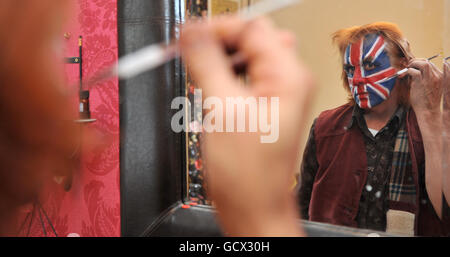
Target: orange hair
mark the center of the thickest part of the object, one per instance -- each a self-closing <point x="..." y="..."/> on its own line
<point x="398" y="50"/>
<point x="37" y="132"/>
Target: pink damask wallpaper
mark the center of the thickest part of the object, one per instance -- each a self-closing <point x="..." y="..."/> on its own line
<point x="92" y="206"/>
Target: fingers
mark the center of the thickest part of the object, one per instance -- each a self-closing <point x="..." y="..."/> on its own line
<point x="205" y="48"/>
<point x="228" y="29"/>
<point x="287" y="38"/>
<point x="446" y="121"/>
<point x="446" y="85"/>
<point x="421" y="65"/>
<point x="414" y="73"/>
<point x="208" y="64"/>
<point x="257" y="43"/>
<point x="422" y="69"/>
<point x="272" y="59"/>
<point x="446" y="71"/>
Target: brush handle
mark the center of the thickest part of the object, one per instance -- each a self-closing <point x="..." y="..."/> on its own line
<point x="154" y="55"/>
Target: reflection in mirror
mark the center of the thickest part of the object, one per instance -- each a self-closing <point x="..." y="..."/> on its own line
<point x="195" y="169"/>
<point x="363" y="163"/>
<point x="195" y="182"/>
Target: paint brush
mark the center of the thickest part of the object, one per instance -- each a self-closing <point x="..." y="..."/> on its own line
<point x="400" y="72"/>
<point x="154" y="55"/>
<point x="434" y="56"/>
<point x="446" y="58"/>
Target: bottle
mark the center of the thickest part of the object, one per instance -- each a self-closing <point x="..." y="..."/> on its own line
<point x="85" y="113"/>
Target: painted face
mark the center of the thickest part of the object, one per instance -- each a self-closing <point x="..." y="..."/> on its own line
<point x="369" y="71"/>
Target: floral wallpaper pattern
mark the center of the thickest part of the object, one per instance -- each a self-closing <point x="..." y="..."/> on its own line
<point x="92" y="206"/>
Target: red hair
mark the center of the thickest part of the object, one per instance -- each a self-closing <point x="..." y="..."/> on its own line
<point x="398" y="50"/>
<point x="37" y="132"/>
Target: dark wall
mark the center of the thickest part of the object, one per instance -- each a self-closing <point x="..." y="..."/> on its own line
<point x="151" y="155"/>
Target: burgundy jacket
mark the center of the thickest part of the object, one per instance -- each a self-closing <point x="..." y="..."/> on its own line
<point x="342" y="173"/>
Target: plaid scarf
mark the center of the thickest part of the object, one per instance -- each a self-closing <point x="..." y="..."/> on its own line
<point x="401" y="184"/>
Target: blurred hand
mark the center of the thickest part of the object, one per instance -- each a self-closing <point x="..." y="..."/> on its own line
<point x="249" y="181"/>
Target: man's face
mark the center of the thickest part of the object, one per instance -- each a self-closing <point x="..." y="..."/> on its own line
<point x="369" y="71"/>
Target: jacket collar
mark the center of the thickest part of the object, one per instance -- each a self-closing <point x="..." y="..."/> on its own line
<point x="358" y="115"/>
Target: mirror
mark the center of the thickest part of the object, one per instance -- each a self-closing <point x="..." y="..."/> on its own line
<point x="196" y="191"/>
<point x="426" y="25"/>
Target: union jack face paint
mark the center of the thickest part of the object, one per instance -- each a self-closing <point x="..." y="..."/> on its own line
<point x="369" y="71"/>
